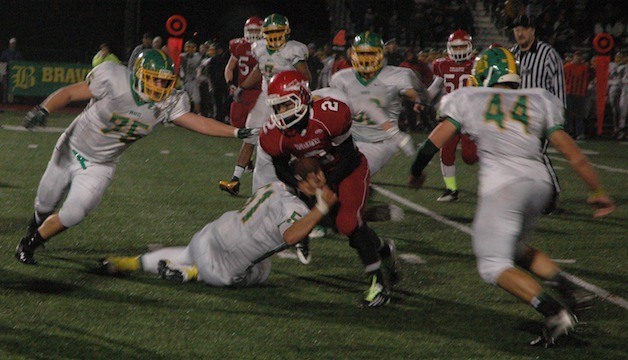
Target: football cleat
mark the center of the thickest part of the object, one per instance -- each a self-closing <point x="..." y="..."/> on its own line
<point x="555" y="326"/>
<point x="232" y="187"/>
<point x="26" y="249"/>
<point x="377" y="295"/>
<point x="416" y="182"/>
<point x="391" y="264"/>
<point x="116" y="265"/>
<point x="448" y="196"/>
<point x="178" y="273"/>
<point x="303" y="251"/>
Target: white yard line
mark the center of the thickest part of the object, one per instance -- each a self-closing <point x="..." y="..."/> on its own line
<point x="603" y="167"/>
<point x="603" y="294"/>
<point x="47" y="129"/>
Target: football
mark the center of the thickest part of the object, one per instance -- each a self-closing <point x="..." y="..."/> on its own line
<point x="306" y="165"/>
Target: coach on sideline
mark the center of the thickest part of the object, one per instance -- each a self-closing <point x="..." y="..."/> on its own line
<point x="540" y="66"/>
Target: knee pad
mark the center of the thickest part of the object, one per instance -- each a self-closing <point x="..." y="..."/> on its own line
<point x="490" y="269"/>
<point x="71" y="215"/>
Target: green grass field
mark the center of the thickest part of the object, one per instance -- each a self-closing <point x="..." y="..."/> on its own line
<point x="166" y="189"/>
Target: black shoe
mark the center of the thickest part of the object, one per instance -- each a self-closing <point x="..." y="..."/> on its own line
<point x="555" y="326"/>
<point x="303" y="251"/>
<point x="579" y="300"/>
<point x="390" y="264"/>
<point x="449" y="195"/>
<point x="26" y="249"/>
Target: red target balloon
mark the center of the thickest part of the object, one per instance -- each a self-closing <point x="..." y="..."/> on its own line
<point x="603" y="43"/>
<point x="176" y="25"/>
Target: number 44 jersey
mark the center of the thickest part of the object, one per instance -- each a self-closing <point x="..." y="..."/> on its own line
<point x="508" y="126"/>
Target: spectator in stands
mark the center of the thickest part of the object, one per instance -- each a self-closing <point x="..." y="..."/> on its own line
<point x="463" y="19"/>
<point x="341" y="61"/>
<point x="614" y="87"/>
<point x="104" y="54"/>
<point x="158" y="43"/>
<point x="577" y="75"/>
<point x="11" y="53"/>
<point x="147" y="43"/>
<point x="328" y="63"/>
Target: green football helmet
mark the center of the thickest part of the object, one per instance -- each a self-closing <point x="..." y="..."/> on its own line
<point x="153" y="77"/>
<point x="367" y="53"/>
<point x="276" y="31"/>
<point x="495" y="66"/>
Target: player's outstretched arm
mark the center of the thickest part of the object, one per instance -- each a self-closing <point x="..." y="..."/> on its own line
<point x="211" y="127"/>
<point x="325" y="199"/>
<point x="598" y="198"/>
<point x="57" y="101"/>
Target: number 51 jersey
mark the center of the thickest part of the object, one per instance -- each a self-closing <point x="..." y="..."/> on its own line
<point x="508" y="126"/>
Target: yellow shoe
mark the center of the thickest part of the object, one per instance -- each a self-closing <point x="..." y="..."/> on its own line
<point x="120" y="264"/>
<point x="232" y="187"/>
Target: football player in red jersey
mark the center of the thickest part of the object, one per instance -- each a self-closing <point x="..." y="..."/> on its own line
<point x="243" y="60"/>
<point x="322" y="129"/>
<point x="451" y="73"/>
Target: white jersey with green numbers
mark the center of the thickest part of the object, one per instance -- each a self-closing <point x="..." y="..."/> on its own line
<point x="508" y="127"/>
<point x="115" y="117"/>
<point x="239" y="238"/>
<point x="271" y="63"/>
<point x="375" y="101"/>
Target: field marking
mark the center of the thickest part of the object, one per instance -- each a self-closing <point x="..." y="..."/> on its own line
<point x="605" y="295"/>
<point x="603" y="167"/>
<point x="47" y="129"/>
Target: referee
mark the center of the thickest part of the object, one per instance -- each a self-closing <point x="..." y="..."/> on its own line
<point x="540" y="65"/>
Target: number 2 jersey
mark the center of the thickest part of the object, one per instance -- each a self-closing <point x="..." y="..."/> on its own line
<point x="329" y="125"/>
<point x="509" y="127"/>
<point x="116" y="117"/>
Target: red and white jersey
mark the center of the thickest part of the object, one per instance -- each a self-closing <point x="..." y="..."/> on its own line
<point x="329" y="125"/>
<point x="240" y="49"/>
<point x="454" y="74"/>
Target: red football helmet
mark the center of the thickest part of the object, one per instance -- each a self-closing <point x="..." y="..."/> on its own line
<point x="253" y="29"/>
<point x="289" y="97"/>
<point x="459" y="46"/>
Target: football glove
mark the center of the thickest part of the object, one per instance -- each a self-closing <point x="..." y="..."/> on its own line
<point x="35" y="117"/>
<point x="403" y="140"/>
<point x="244" y="133"/>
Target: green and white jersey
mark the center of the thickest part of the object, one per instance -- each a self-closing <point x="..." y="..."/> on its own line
<point x="509" y="127"/>
<point x="271" y="63"/>
<point x="116" y="117"/>
<point x="375" y="101"/>
<point x="241" y="237"/>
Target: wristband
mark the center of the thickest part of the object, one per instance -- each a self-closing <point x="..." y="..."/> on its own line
<point x="320" y="203"/>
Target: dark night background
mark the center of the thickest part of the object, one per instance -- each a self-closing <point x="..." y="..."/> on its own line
<point x="72" y="30"/>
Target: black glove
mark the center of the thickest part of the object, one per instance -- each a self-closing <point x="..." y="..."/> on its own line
<point x="36" y="116"/>
<point x="245" y="133"/>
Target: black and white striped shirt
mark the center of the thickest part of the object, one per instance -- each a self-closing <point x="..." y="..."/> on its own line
<point x="541" y="66"/>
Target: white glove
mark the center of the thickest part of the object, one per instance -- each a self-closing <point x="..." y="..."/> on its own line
<point x="403" y="140"/>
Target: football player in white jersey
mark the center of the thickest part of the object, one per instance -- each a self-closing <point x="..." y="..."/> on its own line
<point x="509" y="125"/>
<point x="124" y="107"/>
<point x="235" y="249"/>
<point x="374" y="94"/>
<point x="274" y="53"/>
